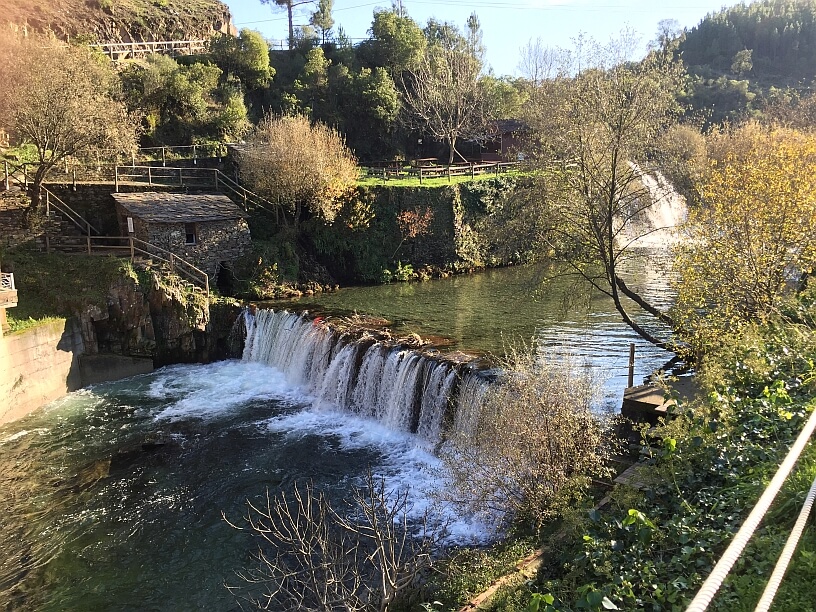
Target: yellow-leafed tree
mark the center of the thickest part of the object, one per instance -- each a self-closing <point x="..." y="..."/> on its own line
<point x="753" y="239"/>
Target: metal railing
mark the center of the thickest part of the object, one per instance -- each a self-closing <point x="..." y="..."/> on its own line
<point x="7" y="281"/>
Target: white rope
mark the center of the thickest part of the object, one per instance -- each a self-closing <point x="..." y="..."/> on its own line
<point x="787" y="553"/>
<point x="732" y="553"/>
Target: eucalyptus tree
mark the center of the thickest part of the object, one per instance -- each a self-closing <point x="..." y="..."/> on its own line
<point x="593" y="128"/>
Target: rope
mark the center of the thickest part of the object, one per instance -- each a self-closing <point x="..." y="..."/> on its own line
<point x="732" y="553"/>
<point x="787" y="552"/>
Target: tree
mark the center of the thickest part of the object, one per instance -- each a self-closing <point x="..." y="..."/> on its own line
<point x="299" y="166"/>
<point x="753" y="239"/>
<point x="592" y="136"/>
<point x="396" y="43"/>
<point x="444" y="94"/>
<point x="313" y="558"/>
<point x="742" y="62"/>
<point x="245" y="57"/>
<point x="289" y="6"/>
<point x="63" y="99"/>
<point x="535" y="446"/>
<point x="322" y="19"/>
<point x="183" y="103"/>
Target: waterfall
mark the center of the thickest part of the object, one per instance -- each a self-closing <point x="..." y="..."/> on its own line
<point x="655" y="223"/>
<point x="402" y="388"/>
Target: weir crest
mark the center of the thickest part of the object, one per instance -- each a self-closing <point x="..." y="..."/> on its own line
<point x="402" y="388"/>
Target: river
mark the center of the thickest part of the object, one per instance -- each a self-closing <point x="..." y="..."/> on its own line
<point x="112" y="497"/>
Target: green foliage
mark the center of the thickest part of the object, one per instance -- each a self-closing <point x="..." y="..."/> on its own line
<point x="183" y="103"/>
<point x="396" y="43"/>
<point x="711" y="465"/>
<point x="244" y="57"/>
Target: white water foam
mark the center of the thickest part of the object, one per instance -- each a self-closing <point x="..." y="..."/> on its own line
<point x="209" y="391"/>
<point x="655" y="226"/>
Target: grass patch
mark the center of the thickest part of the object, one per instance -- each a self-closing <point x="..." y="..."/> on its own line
<point x="20" y="325"/>
<point x="55" y="285"/>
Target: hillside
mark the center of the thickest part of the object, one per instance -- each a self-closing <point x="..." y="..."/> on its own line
<point x="121" y="20"/>
<point x="741" y="58"/>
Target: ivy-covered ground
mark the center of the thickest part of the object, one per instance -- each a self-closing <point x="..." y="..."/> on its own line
<point x="652" y="548"/>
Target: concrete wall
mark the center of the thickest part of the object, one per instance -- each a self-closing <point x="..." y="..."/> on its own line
<point x="44" y="363"/>
<point x="38" y="366"/>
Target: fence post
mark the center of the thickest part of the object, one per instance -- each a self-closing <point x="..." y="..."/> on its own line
<point x="150" y="175"/>
<point x="195" y="158"/>
<point x="164" y="158"/>
<point x="133" y="158"/>
<point x="132" y="250"/>
<point x="207" y="285"/>
<point x="472" y="174"/>
<point x="215" y="176"/>
<point x="73" y="178"/>
<point x="47" y="204"/>
<point x="116" y="178"/>
<point x="5" y="175"/>
<point x="631" y="380"/>
<point x="420" y="175"/>
<point x="449" y="173"/>
<point x="88" y="238"/>
<point x="181" y="181"/>
<point x="25" y="177"/>
<point x="172" y="263"/>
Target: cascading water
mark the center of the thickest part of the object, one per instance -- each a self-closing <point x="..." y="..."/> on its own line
<point x="655" y="223"/>
<point x="402" y="389"/>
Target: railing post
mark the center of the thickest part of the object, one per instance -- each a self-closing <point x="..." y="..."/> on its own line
<point x="88" y="238"/>
<point x="73" y="179"/>
<point x="150" y="175"/>
<point x="631" y="380"/>
<point x="181" y="181"/>
<point x="195" y="158"/>
<point x="47" y="204"/>
<point x="215" y="176"/>
<point x="449" y="175"/>
<point x="172" y="263"/>
<point x="133" y="158"/>
<point x="472" y="174"/>
<point x="5" y="175"/>
<point x="25" y="177"/>
<point x="116" y="178"/>
<point x="132" y="250"/>
<point x="207" y="285"/>
<point x="420" y="175"/>
<point x="164" y="158"/>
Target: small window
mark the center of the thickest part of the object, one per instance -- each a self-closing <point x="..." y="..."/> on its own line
<point x="190" y="233"/>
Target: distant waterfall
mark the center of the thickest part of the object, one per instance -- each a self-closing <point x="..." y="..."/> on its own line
<point x="402" y="388"/>
<point x="655" y="224"/>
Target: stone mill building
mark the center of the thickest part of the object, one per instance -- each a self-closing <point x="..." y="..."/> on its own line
<point x="208" y="230"/>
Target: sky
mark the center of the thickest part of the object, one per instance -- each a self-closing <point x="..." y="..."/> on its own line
<point x="507" y="25"/>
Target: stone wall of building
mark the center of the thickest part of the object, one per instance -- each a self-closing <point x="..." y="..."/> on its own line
<point x="216" y="241"/>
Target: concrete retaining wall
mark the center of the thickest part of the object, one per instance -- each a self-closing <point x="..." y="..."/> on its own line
<point x="38" y="366"/>
<point x="44" y="363"/>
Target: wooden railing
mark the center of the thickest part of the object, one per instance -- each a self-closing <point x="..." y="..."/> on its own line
<point x="191" y="177"/>
<point x="424" y="172"/>
<point x="129" y="246"/>
<point x="7" y="281"/>
<point x="119" y="51"/>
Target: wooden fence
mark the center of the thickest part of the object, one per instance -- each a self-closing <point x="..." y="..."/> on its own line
<point x="425" y="172"/>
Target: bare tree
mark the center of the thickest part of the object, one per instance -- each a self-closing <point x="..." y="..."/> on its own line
<point x="313" y="557"/>
<point x="536" y="444"/>
<point x="593" y="135"/>
<point x="444" y="94"/>
<point x="63" y="99"/>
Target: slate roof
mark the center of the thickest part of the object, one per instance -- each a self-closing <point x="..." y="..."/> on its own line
<point x="159" y="207"/>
